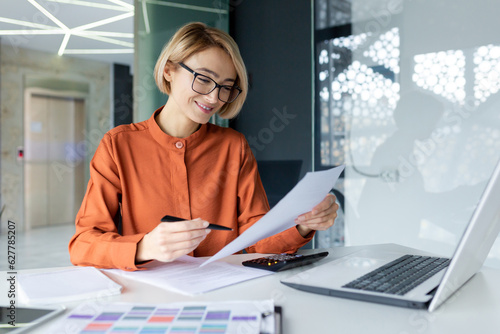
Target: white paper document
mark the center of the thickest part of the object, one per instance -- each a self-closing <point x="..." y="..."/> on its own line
<point x="308" y="193"/>
<point x="185" y="276"/>
<point x="66" y="285"/>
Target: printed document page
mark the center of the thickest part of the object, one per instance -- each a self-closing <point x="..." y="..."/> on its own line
<point x="250" y="317"/>
<point x="185" y="276"/>
<point x="308" y="193"/>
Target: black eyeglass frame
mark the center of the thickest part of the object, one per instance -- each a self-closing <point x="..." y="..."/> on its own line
<point x="196" y="74"/>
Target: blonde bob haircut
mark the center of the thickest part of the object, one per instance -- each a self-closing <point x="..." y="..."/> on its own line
<point x="196" y="37"/>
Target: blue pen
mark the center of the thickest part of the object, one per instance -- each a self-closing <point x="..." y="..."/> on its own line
<point x="170" y="219"/>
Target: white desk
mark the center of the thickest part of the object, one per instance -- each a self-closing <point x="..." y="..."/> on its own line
<point x="475" y="308"/>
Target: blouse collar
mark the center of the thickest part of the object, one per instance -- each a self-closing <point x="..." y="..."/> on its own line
<point x="175" y="143"/>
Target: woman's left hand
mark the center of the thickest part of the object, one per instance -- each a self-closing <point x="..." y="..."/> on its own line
<point x="320" y="218"/>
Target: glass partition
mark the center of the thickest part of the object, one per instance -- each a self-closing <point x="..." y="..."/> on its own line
<point x="407" y="97"/>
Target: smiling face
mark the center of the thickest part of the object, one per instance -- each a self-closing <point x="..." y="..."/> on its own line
<point x="214" y="63"/>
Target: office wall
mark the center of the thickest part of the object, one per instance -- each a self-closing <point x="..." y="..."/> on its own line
<point x="275" y="42"/>
<point x="22" y="68"/>
<point x="122" y="95"/>
<point x="416" y="179"/>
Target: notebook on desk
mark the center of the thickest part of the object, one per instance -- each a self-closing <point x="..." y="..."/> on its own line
<point x="382" y="277"/>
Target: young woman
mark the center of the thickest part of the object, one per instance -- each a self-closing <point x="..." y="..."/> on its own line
<point x="177" y="163"/>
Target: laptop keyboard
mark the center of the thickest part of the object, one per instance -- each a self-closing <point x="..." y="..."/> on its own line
<point x="401" y="275"/>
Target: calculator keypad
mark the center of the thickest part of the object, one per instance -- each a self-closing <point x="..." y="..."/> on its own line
<point x="280" y="262"/>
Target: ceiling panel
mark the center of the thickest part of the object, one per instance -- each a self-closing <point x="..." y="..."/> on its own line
<point x="103" y="28"/>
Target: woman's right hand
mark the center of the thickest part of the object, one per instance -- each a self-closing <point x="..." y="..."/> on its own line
<point x="169" y="241"/>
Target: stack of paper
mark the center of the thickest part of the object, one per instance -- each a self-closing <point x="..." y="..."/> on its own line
<point x="66" y="285"/>
<point x="185" y="276"/>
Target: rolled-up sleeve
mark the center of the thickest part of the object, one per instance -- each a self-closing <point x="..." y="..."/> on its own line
<point x="97" y="241"/>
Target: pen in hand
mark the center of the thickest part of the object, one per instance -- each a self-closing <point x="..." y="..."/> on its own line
<point x="170" y="219"/>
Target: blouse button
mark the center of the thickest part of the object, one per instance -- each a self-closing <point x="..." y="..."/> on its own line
<point x="179" y="144"/>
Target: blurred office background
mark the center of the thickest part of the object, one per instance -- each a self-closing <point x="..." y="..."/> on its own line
<point x="403" y="93"/>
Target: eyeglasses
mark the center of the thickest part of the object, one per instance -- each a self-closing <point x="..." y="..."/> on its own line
<point x="205" y="85"/>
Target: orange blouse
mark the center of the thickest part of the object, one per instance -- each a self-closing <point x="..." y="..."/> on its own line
<point x="144" y="174"/>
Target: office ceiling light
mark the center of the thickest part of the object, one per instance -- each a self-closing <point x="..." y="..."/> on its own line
<point x="124" y="39"/>
<point x="121" y="6"/>
<point x="48" y="14"/>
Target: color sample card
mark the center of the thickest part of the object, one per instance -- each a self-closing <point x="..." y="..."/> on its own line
<point x="179" y="318"/>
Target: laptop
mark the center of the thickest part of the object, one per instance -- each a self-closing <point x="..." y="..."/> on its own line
<point x="366" y="275"/>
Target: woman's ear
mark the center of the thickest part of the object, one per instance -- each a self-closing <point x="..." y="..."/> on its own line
<point x="167" y="71"/>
